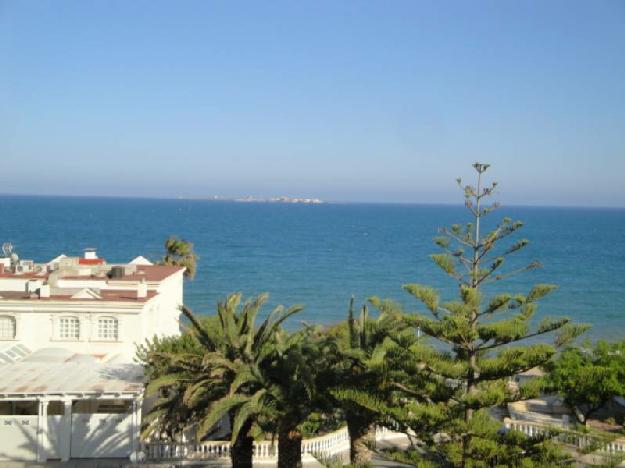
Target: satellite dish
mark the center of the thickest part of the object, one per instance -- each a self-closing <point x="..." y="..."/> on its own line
<point x="7" y="249"/>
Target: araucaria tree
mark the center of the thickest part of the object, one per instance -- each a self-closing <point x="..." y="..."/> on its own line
<point x="483" y="335"/>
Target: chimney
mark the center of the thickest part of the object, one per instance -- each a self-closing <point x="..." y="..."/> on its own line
<point x="44" y="291"/>
<point x="90" y="254"/>
<point x="32" y="286"/>
<point x="142" y="289"/>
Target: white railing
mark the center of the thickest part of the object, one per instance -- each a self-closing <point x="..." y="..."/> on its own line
<point x="578" y="439"/>
<point x="327" y="446"/>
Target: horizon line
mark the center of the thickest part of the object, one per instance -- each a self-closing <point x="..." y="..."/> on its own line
<point x="324" y="202"/>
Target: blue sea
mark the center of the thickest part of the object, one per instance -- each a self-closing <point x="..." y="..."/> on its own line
<point x="320" y="255"/>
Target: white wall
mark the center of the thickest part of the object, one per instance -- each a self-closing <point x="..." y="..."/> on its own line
<point x="18" y="438"/>
<point x="55" y="434"/>
<point x="101" y="435"/>
<point x="37" y="322"/>
<point x="13" y="284"/>
<point x="86" y="283"/>
<point x="39" y="329"/>
<point x="165" y="319"/>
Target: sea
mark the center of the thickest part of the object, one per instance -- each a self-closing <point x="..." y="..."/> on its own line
<point x="321" y="255"/>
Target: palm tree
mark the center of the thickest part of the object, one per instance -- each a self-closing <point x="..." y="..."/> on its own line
<point x="229" y="377"/>
<point x="179" y="252"/>
<point x="368" y="378"/>
<point x="297" y="376"/>
<point x="239" y="361"/>
<point x="274" y="378"/>
<point x="163" y="359"/>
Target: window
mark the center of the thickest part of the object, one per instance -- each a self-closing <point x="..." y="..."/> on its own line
<point x="108" y="328"/>
<point x="69" y="328"/>
<point x="7" y="327"/>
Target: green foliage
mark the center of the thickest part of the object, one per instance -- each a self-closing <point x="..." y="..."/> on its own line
<point x="320" y="422"/>
<point x="428" y="296"/>
<point x="484" y="338"/>
<point x="373" y="366"/>
<point x="261" y="377"/>
<point x="411" y="457"/>
<point x="489" y="446"/>
<point x="167" y="376"/>
<point x="378" y="370"/>
<point x="179" y="252"/>
<point x="589" y="377"/>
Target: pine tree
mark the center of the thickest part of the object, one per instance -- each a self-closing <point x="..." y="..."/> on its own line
<point x="482" y="337"/>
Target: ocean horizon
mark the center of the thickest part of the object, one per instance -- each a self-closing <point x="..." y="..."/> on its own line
<point x="321" y="255"/>
<point x="261" y="201"/>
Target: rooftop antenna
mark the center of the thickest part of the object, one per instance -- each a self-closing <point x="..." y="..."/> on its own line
<point x="7" y="249"/>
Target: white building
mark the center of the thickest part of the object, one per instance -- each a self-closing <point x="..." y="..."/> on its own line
<point x="68" y="335"/>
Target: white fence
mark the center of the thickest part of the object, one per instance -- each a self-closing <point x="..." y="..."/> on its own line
<point x="326" y="446"/>
<point x="578" y="439"/>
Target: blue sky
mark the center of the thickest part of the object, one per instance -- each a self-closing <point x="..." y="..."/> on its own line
<point x="358" y="100"/>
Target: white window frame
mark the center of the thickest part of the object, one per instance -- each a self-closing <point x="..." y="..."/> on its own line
<point x="74" y="327"/>
<point x="13" y="320"/>
<point x="99" y="329"/>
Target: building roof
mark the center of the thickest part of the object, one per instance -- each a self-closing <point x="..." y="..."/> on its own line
<point x="40" y="275"/>
<point x="140" y="260"/>
<point x="71" y="294"/>
<point x="152" y="273"/>
<point x="56" y="371"/>
<point x="85" y="279"/>
<point x="91" y="261"/>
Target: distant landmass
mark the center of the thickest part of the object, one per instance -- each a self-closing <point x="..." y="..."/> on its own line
<point x="308" y="201"/>
<point x="250" y="199"/>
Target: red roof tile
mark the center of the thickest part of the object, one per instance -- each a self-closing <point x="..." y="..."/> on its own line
<point x="91" y="261"/>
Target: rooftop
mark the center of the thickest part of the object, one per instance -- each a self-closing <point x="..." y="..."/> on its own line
<point x="90" y="278"/>
<point x="74" y="294"/>
<point x="152" y="273"/>
<point x="54" y="371"/>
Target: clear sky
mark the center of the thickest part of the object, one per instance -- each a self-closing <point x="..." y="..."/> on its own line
<point x="344" y="100"/>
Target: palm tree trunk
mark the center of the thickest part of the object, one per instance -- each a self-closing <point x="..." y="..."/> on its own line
<point x="289" y="448"/>
<point x="359" y="428"/>
<point x="243" y="448"/>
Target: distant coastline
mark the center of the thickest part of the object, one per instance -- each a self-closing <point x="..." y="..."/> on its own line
<point x="250" y="199"/>
<point x="324" y="202"/>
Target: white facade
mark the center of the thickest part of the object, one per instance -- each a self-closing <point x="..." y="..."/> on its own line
<point x="85" y="309"/>
<point x="68" y="335"/>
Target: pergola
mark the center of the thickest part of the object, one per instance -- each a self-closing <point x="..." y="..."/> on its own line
<point x="85" y="408"/>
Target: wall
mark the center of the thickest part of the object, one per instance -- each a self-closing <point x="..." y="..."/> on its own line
<point x="13" y="284"/>
<point x="38" y="328"/>
<point x="18" y="438"/>
<point x="163" y="316"/>
<point x="37" y="322"/>
<point x="101" y="435"/>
